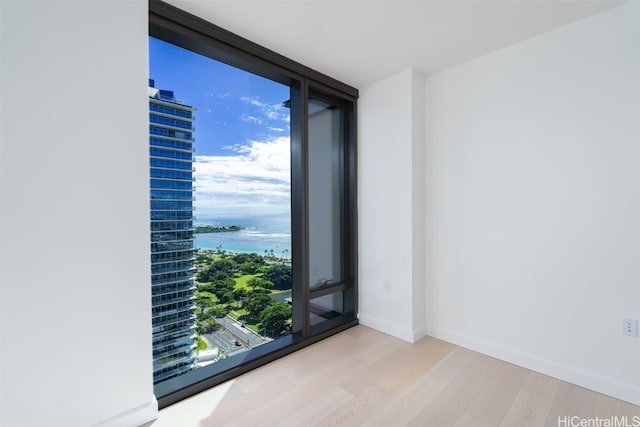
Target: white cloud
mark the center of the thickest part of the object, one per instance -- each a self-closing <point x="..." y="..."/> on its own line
<point x="251" y="119"/>
<point x="268" y="112"/>
<point x="256" y="178"/>
<point x="253" y="101"/>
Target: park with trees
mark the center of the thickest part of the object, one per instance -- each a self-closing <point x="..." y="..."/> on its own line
<point x="250" y="288"/>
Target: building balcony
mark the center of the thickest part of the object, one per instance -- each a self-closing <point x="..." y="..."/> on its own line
<point x="177" y="258"/>
<point x="189" y="287"/>
<point x="190" y="150"/>
<point x="185" y="269"/>
<point x="185" y="335"/>
<point x="161" y="331"/>
<point x="160" y="209"/>
<point x="172" y="116"/>
<point x="181" y="180"/>
<point x="183" y="135"/>
<point x="186" y="197"/>
<point x="163" y="248"/>
<point x="170" y="122"/>
<point x="172" y="104"/>
<point x="158" y="325"/>
<point x="188" y="335"/>
<point x="174" y="373"/>
<point x="175" y="300"/>
<point x="172" y="139"/>
<point x="172" y="127"/>
<point x="172" y="229"/>
<point x="169" y="350"/>
<point x="161" y="363"/>
<point x="183" y="162"/>
<point x="169" y="281"/>
<point x="171" y="236"/>
<point x="183" y="309"/>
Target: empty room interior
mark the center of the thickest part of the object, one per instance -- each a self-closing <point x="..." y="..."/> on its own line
<point x="498" y="215"/>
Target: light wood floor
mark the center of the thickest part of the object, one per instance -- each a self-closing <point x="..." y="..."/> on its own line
<point x="362" y="377"/>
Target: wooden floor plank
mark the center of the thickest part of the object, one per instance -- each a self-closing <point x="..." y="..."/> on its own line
<point x="529" y="409"/>
<point x="542" y="385"/>
<point x="406" y="406"/>
<point x="414" y="363"/>
<point x="468" y="420"/>
<point x="362" y="377"/>
<point x="465" y="387"/>
<point x="358" y="411"/>
<point x="571" y="401"/>
<point x="495" y="399"/>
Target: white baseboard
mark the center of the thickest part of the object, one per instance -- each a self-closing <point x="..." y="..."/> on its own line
<point x="621" y="391"/>
<point x="134" y="417"/>
<point x="392" y="329"/>
<point x="419" y="333"/>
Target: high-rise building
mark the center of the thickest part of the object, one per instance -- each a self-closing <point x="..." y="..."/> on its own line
<point x="172" y="252"/>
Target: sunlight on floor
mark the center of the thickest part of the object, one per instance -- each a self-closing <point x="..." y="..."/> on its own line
<point x="192" y="411"/>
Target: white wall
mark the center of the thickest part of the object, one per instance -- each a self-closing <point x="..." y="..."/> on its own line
<point x="391" y="205"/>
<point x="75" y="273"/>
<point x="535" y="202"/>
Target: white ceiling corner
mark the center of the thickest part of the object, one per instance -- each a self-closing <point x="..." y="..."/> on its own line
<point x="360" y="42"/>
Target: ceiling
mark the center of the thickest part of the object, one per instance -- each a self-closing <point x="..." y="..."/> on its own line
<point x="360" y="42"/>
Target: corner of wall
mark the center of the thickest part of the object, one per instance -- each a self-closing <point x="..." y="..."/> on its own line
<point x="418" y="204"/>
<point x="391" y="234"/>
<point x="405" y="334"/>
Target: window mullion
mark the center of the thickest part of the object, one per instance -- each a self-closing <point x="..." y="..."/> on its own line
<point x="299" y="208"/>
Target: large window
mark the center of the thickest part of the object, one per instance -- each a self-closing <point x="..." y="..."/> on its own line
<point x="268" y="264"/>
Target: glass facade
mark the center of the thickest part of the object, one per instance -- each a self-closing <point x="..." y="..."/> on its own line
<point x="172" y="252"/>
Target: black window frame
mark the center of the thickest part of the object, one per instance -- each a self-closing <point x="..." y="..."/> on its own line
<point x="180" y="28"/>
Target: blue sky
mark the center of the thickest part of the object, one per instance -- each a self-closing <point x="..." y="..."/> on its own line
<point x="242" y="131"/>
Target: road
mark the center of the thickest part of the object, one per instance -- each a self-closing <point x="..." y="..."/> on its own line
<point x="225" y="338"/>
<point x="222" y="340"/>
<point x="243" y="334"/>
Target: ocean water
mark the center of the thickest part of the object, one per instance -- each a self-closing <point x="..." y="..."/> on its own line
<point x="261" y="233"/>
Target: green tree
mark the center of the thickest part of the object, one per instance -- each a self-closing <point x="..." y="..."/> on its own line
<point x="258" y="282"/>
<point x="224" y="265"/>
<point x="219" y="287"/>
<point x="227" y="297"/>
<point x="201" y="329"/>
<point x="252" y="258"/>
<point x="279" y="275"/>
<point x="219" y="311"/>
<point x="240" y="293"/>
<point x="219" y="269"/>
<point x="248" y="267"/>
<point x="256" y="303"/>
<point x="202" y="315"/>
<point x="257" y="291"/>
<point x="275" y="318"/>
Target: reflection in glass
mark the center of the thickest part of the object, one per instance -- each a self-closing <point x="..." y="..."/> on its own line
<point x="325" y="171"/>
<point x="325" y="308"/>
